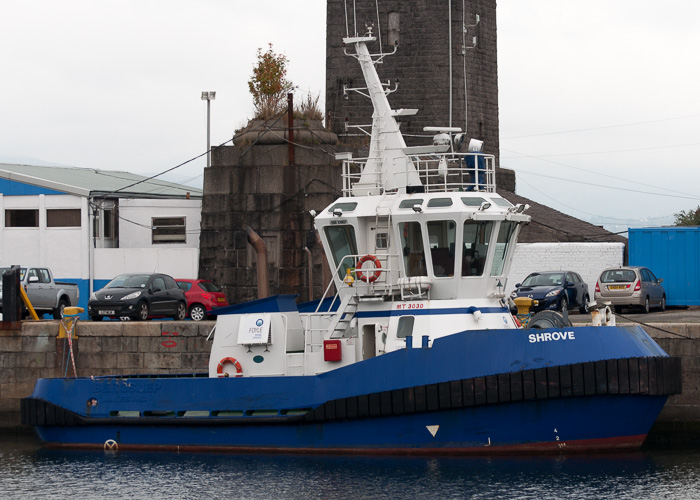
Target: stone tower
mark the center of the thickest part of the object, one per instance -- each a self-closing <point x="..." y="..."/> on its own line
<point x="256" y="185"/>
<point x="436" y="64"/>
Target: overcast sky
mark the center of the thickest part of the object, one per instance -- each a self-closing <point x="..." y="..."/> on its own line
<point x="599" y="106"/>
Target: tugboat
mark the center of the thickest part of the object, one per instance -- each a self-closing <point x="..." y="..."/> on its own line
<point x="417" y="351"/>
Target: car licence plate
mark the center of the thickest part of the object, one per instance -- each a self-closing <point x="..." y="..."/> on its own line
<point x="616" y="287"/>
<point x="105" y="313"/>
<point x="220" y="299"/>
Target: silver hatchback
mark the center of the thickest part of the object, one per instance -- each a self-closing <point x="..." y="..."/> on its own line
<point x="630" y="286"/>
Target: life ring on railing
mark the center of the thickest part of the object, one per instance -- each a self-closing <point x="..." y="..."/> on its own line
<point x="377" y="269"/>
<point x="234" y="362"/>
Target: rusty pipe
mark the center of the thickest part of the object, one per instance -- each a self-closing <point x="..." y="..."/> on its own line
<point x="290" y="127"/>
<point x="310" y="263"/>
<point x="261" y="253"/>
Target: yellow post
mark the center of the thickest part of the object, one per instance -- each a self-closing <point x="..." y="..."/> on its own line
<point x="524" y="304"/>
<point x="23" y="293"/>
<point x="68" y="322"/>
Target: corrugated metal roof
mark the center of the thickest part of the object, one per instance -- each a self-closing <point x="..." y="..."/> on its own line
<point x="91" y="181"/>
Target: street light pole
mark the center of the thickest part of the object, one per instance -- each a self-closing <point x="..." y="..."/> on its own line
<point x="208" y="96"/>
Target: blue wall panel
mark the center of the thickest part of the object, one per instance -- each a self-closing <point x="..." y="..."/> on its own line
<point x="672" y="253"/>
<point x="14" y="188"/>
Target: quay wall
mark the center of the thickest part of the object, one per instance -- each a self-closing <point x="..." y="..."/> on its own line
<point x="31" y="350"/>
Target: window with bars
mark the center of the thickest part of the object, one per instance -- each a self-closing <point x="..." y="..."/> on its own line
<point x="63" y="217"/>
<point x="16" y="217"/>
<point x="168" y="230"/>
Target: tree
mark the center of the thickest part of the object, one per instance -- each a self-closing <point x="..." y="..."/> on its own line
<point x="269" y="84"/>
<point x="687" y="218"/>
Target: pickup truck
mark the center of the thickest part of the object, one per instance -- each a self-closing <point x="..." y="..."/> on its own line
<point x="45" y="294"/>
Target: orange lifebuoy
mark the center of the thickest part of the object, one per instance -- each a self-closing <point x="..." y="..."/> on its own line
<point x="377" y="269"/>
<point x="234" y="362"/>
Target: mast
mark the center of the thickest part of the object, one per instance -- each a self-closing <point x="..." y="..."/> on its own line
<point x="388" y="168"/>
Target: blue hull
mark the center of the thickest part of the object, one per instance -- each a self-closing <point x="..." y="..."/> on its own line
<point x="597" y="388"/>
<point x="558" y="425"/>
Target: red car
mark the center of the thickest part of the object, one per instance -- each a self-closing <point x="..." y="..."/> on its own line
<point x="202" y="296"/>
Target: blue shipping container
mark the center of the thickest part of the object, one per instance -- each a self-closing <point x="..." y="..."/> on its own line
<point x="672" y="253"/>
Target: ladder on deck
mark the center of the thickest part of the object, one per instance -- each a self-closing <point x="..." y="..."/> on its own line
<point x="341" y="321"/>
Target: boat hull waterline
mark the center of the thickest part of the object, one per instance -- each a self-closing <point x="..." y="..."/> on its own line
<point x="515" y="400"/>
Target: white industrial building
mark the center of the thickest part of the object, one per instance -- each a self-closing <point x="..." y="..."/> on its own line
<point x="90" y="225"/>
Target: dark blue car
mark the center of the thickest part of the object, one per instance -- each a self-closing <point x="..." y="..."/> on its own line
<point x="554" y="290"/>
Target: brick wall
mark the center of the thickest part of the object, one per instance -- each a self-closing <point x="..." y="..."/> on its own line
<point x="421" y="64"/>
<point x="253" y="186"/>
<point x="587" y="259"/>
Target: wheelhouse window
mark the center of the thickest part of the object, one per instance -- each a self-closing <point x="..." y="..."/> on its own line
<point x="411" y="202"/>
<point x="344" y="206"/>
<point x="505" y="235"/>
<point x="21" y="218"/>
<point x="501" y="202"/>
<point x="168" y="230"/>
<point x="440" y="202"/>
<point x="473" y="201"/>
<point x="441" y="235"/>
<point x="342" y="242"/>
<point x="413" y="252"/>
<point x="476" y="246"/>
<point x="63" y="217"/>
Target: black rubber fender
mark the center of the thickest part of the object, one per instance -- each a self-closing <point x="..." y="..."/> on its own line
<point x="548" y="319"/>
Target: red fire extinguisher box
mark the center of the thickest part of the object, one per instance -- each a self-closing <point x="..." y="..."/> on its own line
<point x="332" y="350"/>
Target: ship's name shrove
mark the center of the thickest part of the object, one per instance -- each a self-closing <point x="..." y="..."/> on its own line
<point x="549" y="336"/>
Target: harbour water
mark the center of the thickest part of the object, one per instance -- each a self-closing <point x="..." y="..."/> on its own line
<point x="29" y="471"/>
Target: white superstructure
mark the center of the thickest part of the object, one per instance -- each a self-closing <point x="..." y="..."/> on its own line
<point x="420" y="246"/>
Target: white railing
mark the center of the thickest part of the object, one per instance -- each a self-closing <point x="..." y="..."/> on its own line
<point x="384" y="284"/>
<point x="439" y="172"/>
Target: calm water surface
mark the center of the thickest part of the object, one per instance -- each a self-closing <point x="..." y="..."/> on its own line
<point x="28" y="471"/>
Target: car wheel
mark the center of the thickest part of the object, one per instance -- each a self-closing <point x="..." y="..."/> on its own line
<point x="548" y="319"/>
<point x="564" y="304"/>
<point x="198" y="312"/>
<point x="584" y="306"/>
<point x="663" y="303"/>
<point x="143" y="311"/>
<point x="181" y="313"/>
<point x="58" y="312"/>
<point x="646" y="307"/>
<point x="96" y="318"/>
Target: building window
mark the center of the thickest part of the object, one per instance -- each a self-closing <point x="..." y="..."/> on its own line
<point x="63" y="217"/>
<point x="108" y="225"/>
<point x="168" y="230"/>
<point x="21" y="218"/>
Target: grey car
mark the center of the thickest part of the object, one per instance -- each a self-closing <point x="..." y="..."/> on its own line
<point x="634" y="286"/>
